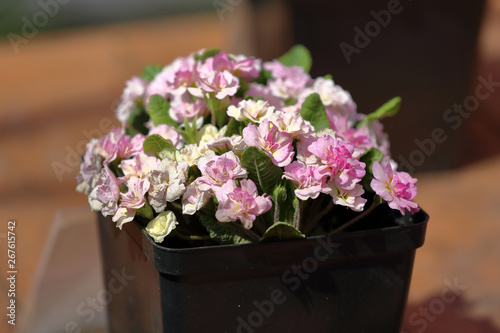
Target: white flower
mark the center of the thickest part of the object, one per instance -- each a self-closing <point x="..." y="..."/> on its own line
<point x="292" y="123"/>
<point x="192" y="153"/>
<point x="255" y="111"/>
<point x="194" y="199"/>
<point x="162" y="225"/>
<point x="167" y="183"/>
<point x="350" y="198"/>
<point x="123" y="215"/>
<point x="234" y="143"/>
<point x="209" y="132"/>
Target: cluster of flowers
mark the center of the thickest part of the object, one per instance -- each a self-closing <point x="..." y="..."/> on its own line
<point x="217" y="106"/>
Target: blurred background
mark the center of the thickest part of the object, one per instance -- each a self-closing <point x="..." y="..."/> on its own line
<point x="63" y="64"/>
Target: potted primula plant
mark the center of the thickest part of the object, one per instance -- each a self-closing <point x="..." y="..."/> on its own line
<point x="252" y="198"/>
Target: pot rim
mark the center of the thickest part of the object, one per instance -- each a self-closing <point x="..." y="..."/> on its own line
<point x="385" y="242"/>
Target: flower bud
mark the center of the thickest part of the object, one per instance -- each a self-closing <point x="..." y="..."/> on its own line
<point x="279" y="193"/>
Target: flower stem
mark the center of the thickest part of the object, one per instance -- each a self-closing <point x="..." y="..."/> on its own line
<point x="252" y="234"/>
<point x="297" y="215"/>
<point x="209" y="99"/>
<point x="276" y="211"/>
<point x="356" y="219"/>
<point x="175" y="205"/>
<point x="146" y="211"/>
<point x="318" y="217"/>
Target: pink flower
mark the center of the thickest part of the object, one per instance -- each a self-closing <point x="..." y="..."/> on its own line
<point x="223" y="84"/>
<point x="276" y="144"/>
<point x="345" y="170"/>
<point x="169" y="133"/>
<point x="135" y="146"/>
<point x="350" y="198"/>
<point x="242" y="204"/>
<point x="132" y="200"/>
<point x="240" y="66"/>
<point x="135" y="196"/>
<point x="89" y="169"/>
<point x="184" y="107"/>
<point x="161" y="84"/>
<point x="166" y="183"/>
<point x="303" y="153"/>
<point x="259" y="90"/>
<point x="287" y="82"/>
<point x="185" y="77"/>
<point x="375" y="131"/>
<point x="106" y="193"/>
<point x="397" y="188"/>
<point x="291" y="123"/>
<point x="194" y="198"/>
<point x="174" y="79"/>
<point x="357" y="137"/>
<point x="246" y="67"/>
<point x="123" y="215"/>
<point x="310" y="180"/>
<point x="138" y="167"/>
<point x="117" y="145"/>
<point x="134" y="91"/>
<point x="217" y="170"/>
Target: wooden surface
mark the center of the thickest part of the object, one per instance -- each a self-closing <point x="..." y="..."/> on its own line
<point x="64" y="83"/>
<point x="58" y="86"/>
<point x="462" y="247"/>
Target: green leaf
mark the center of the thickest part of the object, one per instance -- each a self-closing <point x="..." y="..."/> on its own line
<point x="264" y="76"/>
<point x="244" y="86"/>
<point x="138" y="117"/>
<point x="224" y="232"/>
<point x="158" y="145"/>
<point x="388" y="109"/>
<point x="208" y="53"/>
<point x="313" y="110"/>
<point x="158" y="111"/>
<point x="281" y="231"/>
<point x="150" y="71"/>
<point x="369" y="157"/>
<point x="190" y="131"/>
<point x="298" y="55"/>
<point x="261" y="170"/>
<point x="234" y="127"/>
<point x="247" y="97"/>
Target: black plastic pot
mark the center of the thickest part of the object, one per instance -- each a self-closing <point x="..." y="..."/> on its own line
<point x="351" y="282"/>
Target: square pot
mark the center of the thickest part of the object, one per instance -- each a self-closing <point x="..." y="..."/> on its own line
<point x="351" y="282"/>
